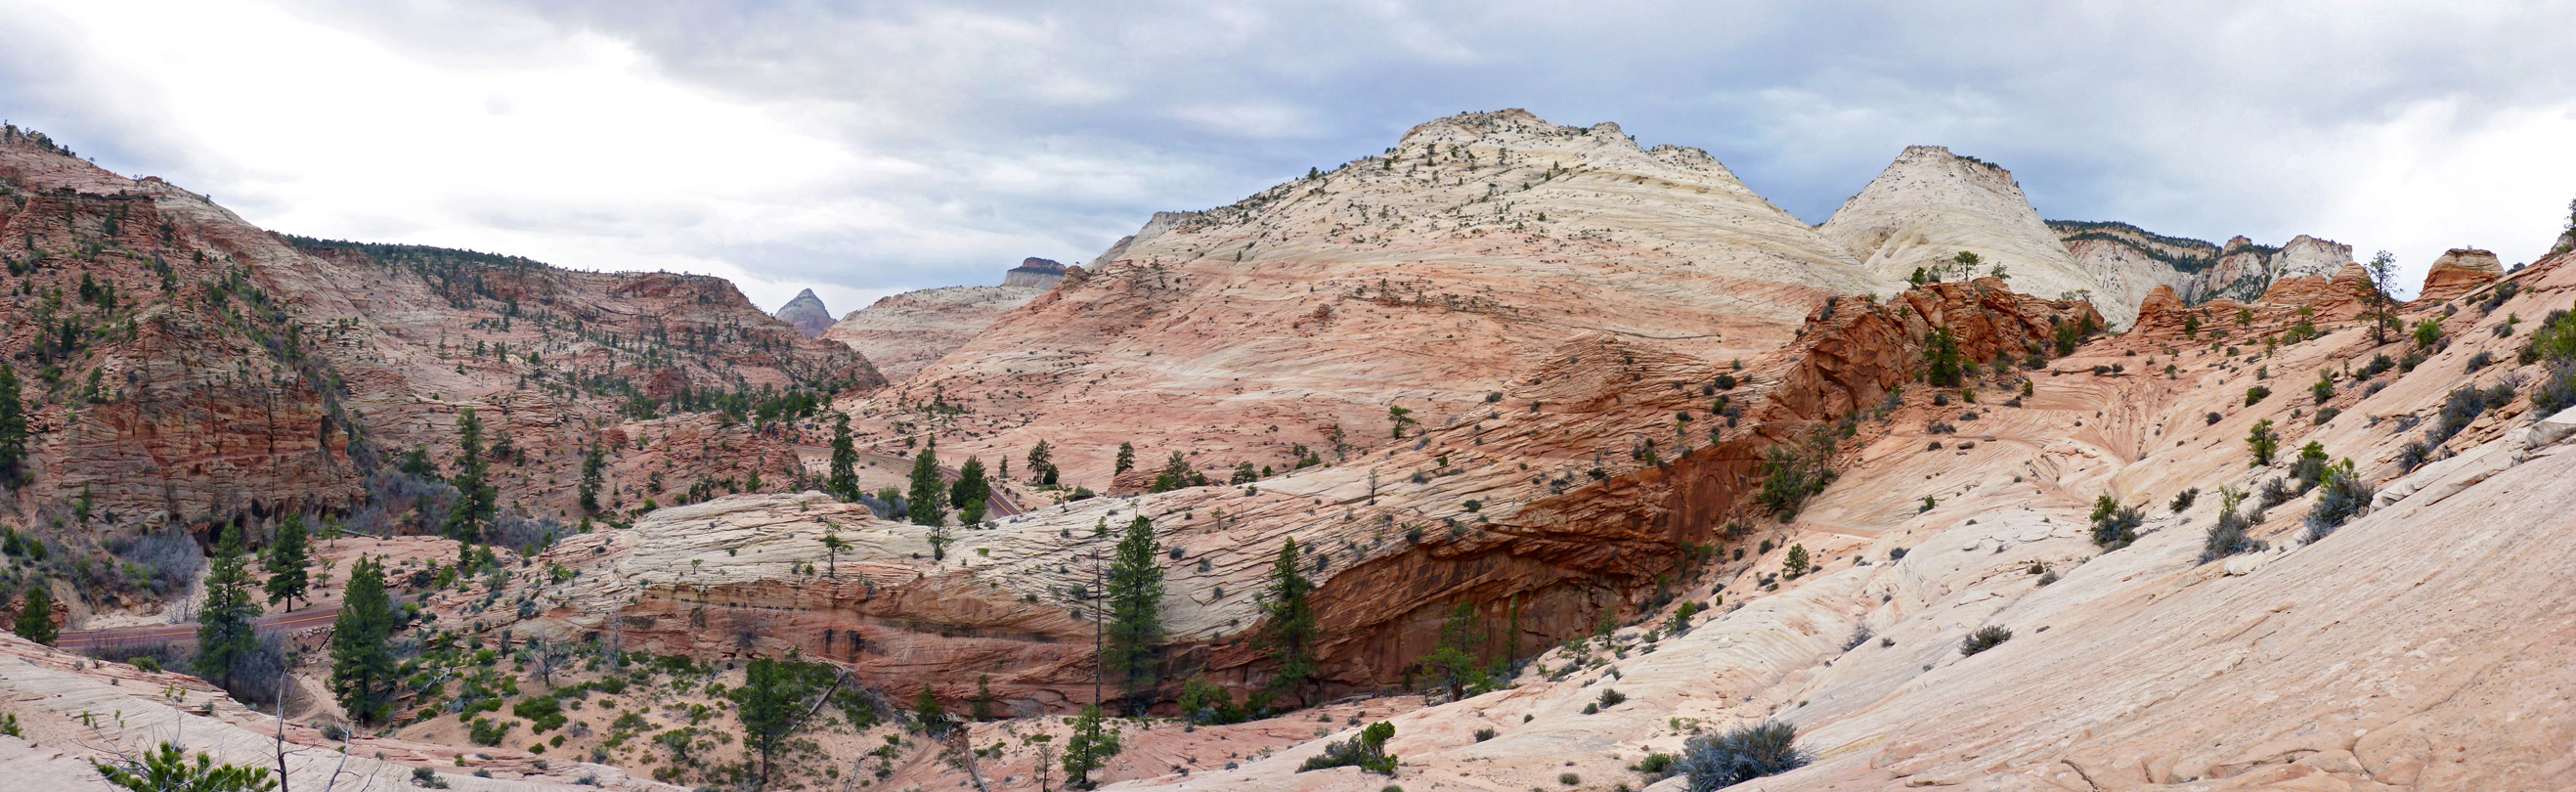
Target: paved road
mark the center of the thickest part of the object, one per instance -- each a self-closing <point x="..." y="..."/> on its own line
<point x="999" y="505"/>
<point x="187" y="633"/>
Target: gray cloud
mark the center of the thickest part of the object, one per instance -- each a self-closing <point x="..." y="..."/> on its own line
<point x="1000" y="130"/>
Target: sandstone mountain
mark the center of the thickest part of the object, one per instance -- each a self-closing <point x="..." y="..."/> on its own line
<point x="905" y="333"/>
<point x="2132" y="261"/>
<point x="1425" y="278"/>
<point x="1931" y="205"/>
<point x="185" y="367"/>
<point x="807" y="314"/>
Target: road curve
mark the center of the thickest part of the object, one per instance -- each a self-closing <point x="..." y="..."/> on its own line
<point x="187" y="633"/>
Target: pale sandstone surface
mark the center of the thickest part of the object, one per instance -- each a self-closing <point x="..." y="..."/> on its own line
<point x="806" y="313"/>
<point x="905" y="333"/>
<point x="1424" y="278"/>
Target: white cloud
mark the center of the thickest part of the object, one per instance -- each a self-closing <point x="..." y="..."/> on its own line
<point x="865" y="147"/>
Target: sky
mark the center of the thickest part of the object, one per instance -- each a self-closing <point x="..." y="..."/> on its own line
<point x="865" y="148"/>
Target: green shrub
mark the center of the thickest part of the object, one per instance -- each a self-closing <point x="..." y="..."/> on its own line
<point x="2343" y="496"/>
<point x="2256" y="394"/>
<point x="484" y="731"/>
<point x="1718" y="761"/>
<point x="1984" y="638"/>
<point x="2114" y="525"/>
<point x="1366" y="752"/>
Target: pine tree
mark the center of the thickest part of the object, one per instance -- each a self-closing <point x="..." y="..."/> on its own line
<point x="1042" y="463"/>
<point x="1454" y="658"/>
<point x="474" y="496"/>
<point x="1289" y="630"/>
<point x="287" y="557"/>
<point x="844" y="481"/>
<point x="166" y="769"/>
<point x="1176" y="474"/>
<point x="772" y="700"/>
<point x="362" y="661"/>
<point x="1126" y="458"/>
<point x="983" y="710"/>
<point x="2382" y="270"/>
<point x="1089" y="749"/>
<point x="927" y="711"/>
<point x="13" y="431"/>
<point x="971" y="486"/>
<point x="1135" y="609"/>
<point x="226" y="633"/>
<point x="927" y="496"/>
<point x="594" y="463"/>
<point x="36" y="617"/>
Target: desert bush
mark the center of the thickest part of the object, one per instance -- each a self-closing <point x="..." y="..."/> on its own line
<point x="2481" y="360"/>
<point x="2343" y="496"/>
<point x="2183" y="500"/>
<point x="170" y="558"/>
<point x="2463" y="407"/>
<point x="2114" y="525"/>
<point x="1718" y="761"/>
<point x="1366" y="752"/>
<point x="1611" y="697"/>
<point x="2277" y="492"/>
<point x="2213" y="418"/>
<point x="1984" y="638"/>
<point x="2256" y="394"/>
<point x="528" y="535"/>
<point x="1486" y="733"/>
<point x="2227" y="536"/>
<point x="2310" y="469"/>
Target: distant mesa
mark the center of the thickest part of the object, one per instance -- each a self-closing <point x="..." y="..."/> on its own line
<point x="1034" y="272"/>
<point x="807" y="313"/>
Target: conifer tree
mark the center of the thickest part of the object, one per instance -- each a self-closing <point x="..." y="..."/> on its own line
<point x="13" y="431"/>
<point x="287" y="557"/>
<point x="1454" y="658"/>
<point x="1042" y="463"/>
<point x="971" y="486"/>
<point x="1135" y="609"/>
<point x="1089" y="749"/>
<point x="226" y="633"/>
<point x="362" y="661"/>
<point x="594" y="463"/>
<point x="1289" y="630"/>
<point x="927" y="496"/>
<point x="844" y="482"/>
<point x="1126" y="458"/>
<point x="474" y="495"/>
<point x="36" y="616"/>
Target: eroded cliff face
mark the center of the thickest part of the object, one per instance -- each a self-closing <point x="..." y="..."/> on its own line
<point x="1425" y="279"/>
<point x="185" y="366"/>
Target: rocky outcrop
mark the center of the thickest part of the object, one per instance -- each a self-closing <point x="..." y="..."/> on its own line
<point x="807" y="314"/>
<point x="2132" y="261"/>
<point x="1034" y="273"/>
<point x="1931" y="205"/>
<point x="2341" y="297"/>
<point x="2459" y="271"/>
<point x="198" y="369"/>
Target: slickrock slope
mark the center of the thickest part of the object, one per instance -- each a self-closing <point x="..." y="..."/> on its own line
<point x="1930" y="205"/>
<point x="905" y="333"/>
<point x="185" y="365"/>
<point x="2412" y="648"/>
<point x="2459" y="271"/>
<point x="807" y="314"/>
<point x="1424" y="278"/>
<point x="73" y="709"/>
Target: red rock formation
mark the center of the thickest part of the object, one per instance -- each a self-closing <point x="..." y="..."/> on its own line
<point x="184" y="365"/>
<point x="2459" y="271"/>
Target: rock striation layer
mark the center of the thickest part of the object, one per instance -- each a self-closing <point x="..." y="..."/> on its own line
<point x="905" y="333"/>
<point x="2458" y="272"/>
<point x="1931" y="205"/>
<point x="1034" y="273"/>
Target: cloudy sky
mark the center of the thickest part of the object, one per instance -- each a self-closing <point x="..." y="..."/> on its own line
<point x="862" y="148"/>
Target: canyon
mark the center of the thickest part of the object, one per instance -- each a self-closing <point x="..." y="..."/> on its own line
<point x="1529" y="389"/>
